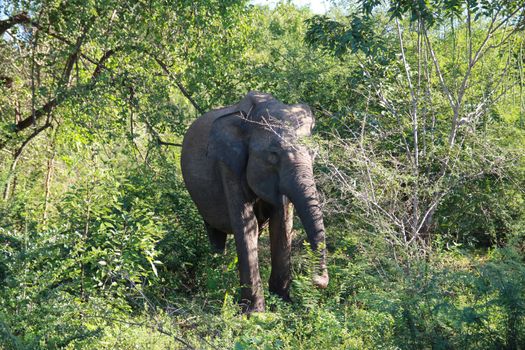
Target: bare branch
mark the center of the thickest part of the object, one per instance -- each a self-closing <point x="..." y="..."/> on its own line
<point x="446" y="91"/>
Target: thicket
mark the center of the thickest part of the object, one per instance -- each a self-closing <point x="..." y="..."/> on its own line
<point x="420" y="143"/>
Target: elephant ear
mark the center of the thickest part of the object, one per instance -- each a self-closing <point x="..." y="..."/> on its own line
<point x="228" y="139"/>
<point x="228" y="144"/>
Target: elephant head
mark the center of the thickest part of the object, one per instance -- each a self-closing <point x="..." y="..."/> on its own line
<point x="261" y="141"/>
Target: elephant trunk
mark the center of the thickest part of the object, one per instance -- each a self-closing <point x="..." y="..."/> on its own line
<point x="300" y="189"/>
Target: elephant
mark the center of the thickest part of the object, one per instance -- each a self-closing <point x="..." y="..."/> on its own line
<point x="244" y="166"/>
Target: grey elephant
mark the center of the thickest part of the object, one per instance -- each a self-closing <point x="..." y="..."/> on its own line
<point x="244" y="165"/>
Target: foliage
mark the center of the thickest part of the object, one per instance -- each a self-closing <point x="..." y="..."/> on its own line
<point x="420" y="136"/>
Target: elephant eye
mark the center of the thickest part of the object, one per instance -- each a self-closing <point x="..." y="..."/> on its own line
<point x="272" y="158"/>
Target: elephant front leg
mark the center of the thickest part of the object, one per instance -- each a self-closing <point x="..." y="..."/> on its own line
<point x="252" y="297"/>
<point x="245" y="229"/>
<point x="281" y="222"/>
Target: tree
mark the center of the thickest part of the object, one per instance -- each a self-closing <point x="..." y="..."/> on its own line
<point x="434" y="75"/>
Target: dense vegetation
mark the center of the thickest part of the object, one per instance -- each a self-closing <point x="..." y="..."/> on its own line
<point x="421" y="164"/>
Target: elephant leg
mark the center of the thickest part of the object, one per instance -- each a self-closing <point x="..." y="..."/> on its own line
<point x="252" y="298"/>
<point x="281" y="222"/>
<point x="245" y="229"/>
<point x="217" y="238"/>
<point x="262" y="213"/>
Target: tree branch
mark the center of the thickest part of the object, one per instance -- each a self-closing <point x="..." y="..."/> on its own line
<point x="51" y="104"/>
<point x="18" y="154"/>
<point x="6" y="24"/>
<point x="100" y="64"/>
<point x="444" y="86"/>
<point x="19" y="18"/>
<point x="44" y="110"/>
<point x="157" y="138"/>
<point x="179" y="85"/>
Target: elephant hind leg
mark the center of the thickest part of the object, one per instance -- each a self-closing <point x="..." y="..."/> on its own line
<point x="217" y="238"/>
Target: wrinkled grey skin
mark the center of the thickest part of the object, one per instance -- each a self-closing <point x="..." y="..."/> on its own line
<point x="244" y="166"/>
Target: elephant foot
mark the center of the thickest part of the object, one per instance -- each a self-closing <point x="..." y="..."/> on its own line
<point x="321" y="281"/>
<point x="285" y="296"/>
<point x="281" y="291"/>
<point x="249" y="307"/>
